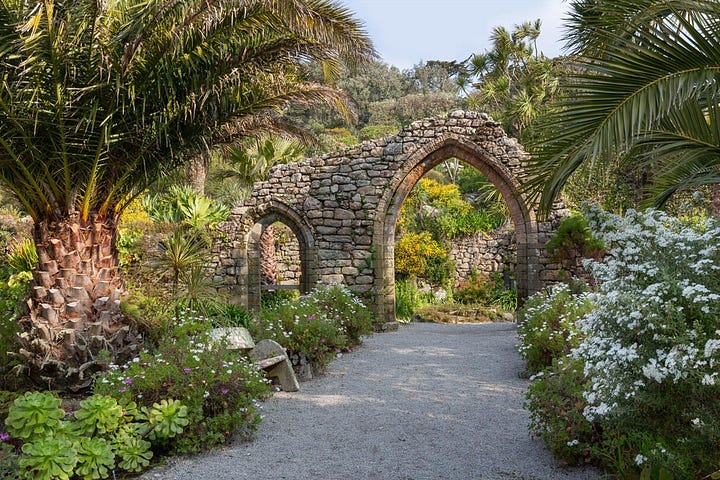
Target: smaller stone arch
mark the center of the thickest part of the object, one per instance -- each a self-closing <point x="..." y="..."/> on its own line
<point x="243" y="250"/>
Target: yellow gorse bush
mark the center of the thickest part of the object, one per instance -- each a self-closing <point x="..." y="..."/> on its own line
<point x="413" y="251"/>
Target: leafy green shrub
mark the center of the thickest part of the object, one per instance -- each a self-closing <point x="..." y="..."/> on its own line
<point x="273" y="298"/>
<point x="183" y="205"/>
<point x="370" y="132"/>
<point x="476" y="289"/>
<point x="22" y="257"/>
<point x="414" y="251"/>
<point x="326" y="321"/>
<point x="652" y="344"/>
<point x="58" y="446"/>
<point x="407" y="298"/>
<point x="218" y="387"/>
<point x="13" y="291"/>
<point x="547" y="325"/>
<point x="650" y="348"/>
<point x="574" y="238"/>
<point x="555" y="402"/>
<point x="229" y="315"/>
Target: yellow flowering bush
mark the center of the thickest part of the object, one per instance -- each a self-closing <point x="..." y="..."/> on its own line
<point x="414" y="251"/>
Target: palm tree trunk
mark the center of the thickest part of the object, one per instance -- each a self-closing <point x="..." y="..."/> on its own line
<point x="74" y="325"/>
<point x="197" y="170"/>
<point x="268" y="268"/>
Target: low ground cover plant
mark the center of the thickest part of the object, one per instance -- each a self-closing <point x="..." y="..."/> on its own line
<point x="328" y="320"/>
<point x="219" y="387"/>
<point x="649" y="349"/>
<point x="547" y="324"/>
<point x="99" y="438"/>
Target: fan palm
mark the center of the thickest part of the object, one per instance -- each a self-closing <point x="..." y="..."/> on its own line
<point x="99" y="99"/>
<point x="645" y="86"/>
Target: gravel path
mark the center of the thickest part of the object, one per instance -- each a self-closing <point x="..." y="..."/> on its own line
<point x="428" y="402"/>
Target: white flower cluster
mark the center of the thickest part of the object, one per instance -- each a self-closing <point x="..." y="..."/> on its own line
<point x="657" y="305"/>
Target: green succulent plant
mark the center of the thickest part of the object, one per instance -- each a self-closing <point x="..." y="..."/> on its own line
<point x="34" y="415"/>
<point x="167" y="418"/>
<point x="99" y="414"/>
<point x="95" y="458"/>
<point x="48" y="458"/>
<point x="134" y="453"/>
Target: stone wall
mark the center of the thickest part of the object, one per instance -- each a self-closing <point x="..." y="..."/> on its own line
<point x="485" y="253"/>
<point x="342" y="208"/>
<point x="287" y="256"/>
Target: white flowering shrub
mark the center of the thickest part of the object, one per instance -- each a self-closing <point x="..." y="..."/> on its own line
<point x="547" y="325"/>
<point x="651" y="346"/>
<point x="326" y="321"/>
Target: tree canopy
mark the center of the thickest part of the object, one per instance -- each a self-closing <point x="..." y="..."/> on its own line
<point x="99" y="99"/>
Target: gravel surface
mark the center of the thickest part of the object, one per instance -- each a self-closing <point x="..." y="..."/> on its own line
<point x="427" y="402"/>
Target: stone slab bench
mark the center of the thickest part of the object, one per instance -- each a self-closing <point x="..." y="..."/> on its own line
<point x="267" y="354"/>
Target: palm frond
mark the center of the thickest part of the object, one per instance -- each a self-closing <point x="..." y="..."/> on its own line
<point x="616" y="100"/>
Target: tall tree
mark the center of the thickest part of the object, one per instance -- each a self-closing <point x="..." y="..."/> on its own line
<point x="512" y="80"/>
<point x="99" y="99"/>
<point x="644" y="86"/>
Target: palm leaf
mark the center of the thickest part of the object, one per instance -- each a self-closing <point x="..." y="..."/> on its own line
<point x="613" y="101"/>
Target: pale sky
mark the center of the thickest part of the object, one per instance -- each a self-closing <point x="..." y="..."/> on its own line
<point x="407" y="31"/>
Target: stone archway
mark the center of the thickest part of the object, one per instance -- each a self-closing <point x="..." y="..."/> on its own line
<point x="343" y="207"/>
<point x="239" y="259"/>
<point x="497" y="168"/>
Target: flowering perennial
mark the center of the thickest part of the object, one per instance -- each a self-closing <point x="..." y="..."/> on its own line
<point x="658" y="302"/>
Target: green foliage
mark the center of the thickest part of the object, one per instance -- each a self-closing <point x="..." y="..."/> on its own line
<point x="229" y="315"/>
<point x="658" y="114"/>
<point x="574" y="238"/>
<point x="168" y="418"/>
<point x="217" y="386"/>
<point x="512" y="81"/>
<point x="337" y="138"/>
<point x="273" y="298"/>
<point x="134" y="453"/>
<point x="95" y="457"/>
<point x="98" y="415"/>
<point x="371" y="132"/>
<point x="418" y="254"/>
<point x="441" y="210"/>
<point x="476" y="289"/>
<point x="87" y="446"/>
<point x="488" y="291"/>
<point x="326" y="321"/>
<point x="49" y="458"/>
<point x="407" y="298"/>
<point x="555" y="402"/>
<point x="13" y="292"/>
<point x="34" y="415"/>
<point x="22" y="257"/>
<point x="252" y="162"/>
<point x="182" y="205"/>
<point x="67" y="151"/>
<point x="547" y="325"/>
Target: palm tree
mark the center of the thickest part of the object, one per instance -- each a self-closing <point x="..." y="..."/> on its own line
<point x="645" y="86"/>
<point x="513" y="81"/>
<point x="99" y="99"/>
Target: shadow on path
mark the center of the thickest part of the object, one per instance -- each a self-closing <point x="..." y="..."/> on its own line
<point x="428" y="402"/>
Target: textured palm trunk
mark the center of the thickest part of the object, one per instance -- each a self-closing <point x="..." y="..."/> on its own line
<point x="74" y="325"/>
<point x="197" y="171"/>
<point x="268" y="268"/>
